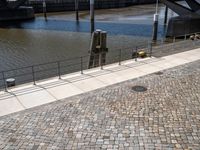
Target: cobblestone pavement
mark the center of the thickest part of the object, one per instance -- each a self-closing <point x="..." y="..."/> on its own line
<point x="166" y="116"/>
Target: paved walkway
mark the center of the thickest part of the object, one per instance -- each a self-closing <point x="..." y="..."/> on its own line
<point x="166" y="116"/>
<point x="25" y="97"/>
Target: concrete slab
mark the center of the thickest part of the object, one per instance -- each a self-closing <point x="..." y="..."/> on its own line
<point x="111" y="78"/>
<point x="21" y="88"/>
<point x="5" y="95"/>
<point x="63" y="91"/>
<point x="51" y="84"/>
<point x="25" y="90"/>
<point x="148" y="68"/>
<point x="164" y="64"/>
<point x="10" y="105"/>
<point x="130" y="73"/>
<point x="72" y="79"/>
<point x="48" y="81"/>
<point x="193" y="57"/>
<point x="193" y="52"/>
<point x="98" y="73"/>
<point x="188" y="55"/>
<point x="176" y="60"/>
<point x="89" y="84"/>
<point x="33" y="99"/>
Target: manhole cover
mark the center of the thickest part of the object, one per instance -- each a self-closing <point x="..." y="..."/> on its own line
<point x="159" y="73"/>
<point x="139" y="88"/>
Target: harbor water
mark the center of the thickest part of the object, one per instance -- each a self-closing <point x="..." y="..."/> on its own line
<point x="61" y="37"/>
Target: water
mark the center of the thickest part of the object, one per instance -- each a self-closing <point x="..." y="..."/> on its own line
<point x="61" y="37"/>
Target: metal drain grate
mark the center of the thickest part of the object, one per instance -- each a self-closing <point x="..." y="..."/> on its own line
<point x="139" y="88"/>
<point x="158" y="73"/>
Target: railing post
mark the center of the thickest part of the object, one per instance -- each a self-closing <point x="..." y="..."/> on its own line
<point x="174" y="39"/>
<point x="33" y="75"/>
<point x="173" y="42"/>
<point x="185" y="37"/>
<point x="132" y="53"/>
<point x="136" y="52"/>
<point x="150" y="53"/>
<point x="59" y="74"/>
<point x="161" y="43"/>
<point x="194" y="42"/>
<point x="120" y="55"/>
<point x="4" y="81"/>
<point x="101" y="60"/>
<point x="81" y="65"/>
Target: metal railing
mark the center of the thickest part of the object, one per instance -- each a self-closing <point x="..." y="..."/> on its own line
<point x="59" y="68"/>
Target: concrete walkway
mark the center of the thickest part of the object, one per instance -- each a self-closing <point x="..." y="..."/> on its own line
<point x="54" y="89"/>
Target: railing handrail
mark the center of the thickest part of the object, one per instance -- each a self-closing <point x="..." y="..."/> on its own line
<point x="58" y="68"/>
<point x="78" y="57"/>
<point x="182" y="35"/>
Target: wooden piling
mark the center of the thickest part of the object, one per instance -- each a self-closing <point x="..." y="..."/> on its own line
<point x="44" y="6"/>
<point x="166" y="15"/>
<point x="92" y="25"/>
<point x="155" y="27"/>
<point x="77" y="9"/>
<point x="98" y="49"/>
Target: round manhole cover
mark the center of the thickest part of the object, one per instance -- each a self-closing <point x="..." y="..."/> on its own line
<point x="159" y="73"/>
<point x="139" y="88"/>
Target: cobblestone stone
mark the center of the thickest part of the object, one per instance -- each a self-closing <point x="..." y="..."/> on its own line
<point x="166" y="116"/>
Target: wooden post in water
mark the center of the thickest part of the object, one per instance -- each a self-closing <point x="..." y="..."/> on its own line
<point x="166" y="15"/>
<point x="92" y="16"/>
<point x="93" y="44"/>
<point x="77" y="9"/>
<point x="98" y="49"/>
<point x="44" y="6"/>
<point x="103" y="45"/>
<point x="155" y="27"/>
<point x="155" y="24"/>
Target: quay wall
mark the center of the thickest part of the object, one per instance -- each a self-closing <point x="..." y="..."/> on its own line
<point x="68" y="5"/>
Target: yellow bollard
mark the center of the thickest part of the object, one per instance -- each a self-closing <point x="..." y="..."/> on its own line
<point x="142" y="54"/>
